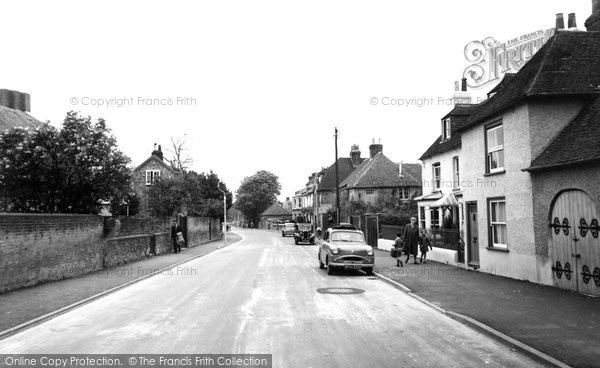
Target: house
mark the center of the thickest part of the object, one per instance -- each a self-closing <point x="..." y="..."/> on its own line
<point x="376" y="183"/>
<point x="325" y="192"/>
<point x="273" y="215"/>
<point x="530" y="157"/>
<point x="303" y="202"/>
<point x="441" y="208"/>
<point x="147" y="173"/>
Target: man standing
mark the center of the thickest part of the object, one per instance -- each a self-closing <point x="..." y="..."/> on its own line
<point x="174" y="230"/>
<point x="411" y="239"/>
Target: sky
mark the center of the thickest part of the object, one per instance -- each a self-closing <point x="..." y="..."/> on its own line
<point x="258" y="85"/>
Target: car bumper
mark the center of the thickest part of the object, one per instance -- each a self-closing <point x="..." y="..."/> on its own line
<point x="355" y="263"/>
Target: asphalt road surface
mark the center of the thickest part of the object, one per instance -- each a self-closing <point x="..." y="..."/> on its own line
<point x="260" y="296"/>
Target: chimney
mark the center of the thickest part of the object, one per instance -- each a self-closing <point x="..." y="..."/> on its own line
<point x="572" y="22"/>
<point x="15" y="100"/>
<point x="375" y="148"/>
<point x="355" y="155"/>
<point x="400" y="170"/>
<point x="560" y="21"/>
<point x="592" y="24"/>
<point x="158" y="152"/>
<point x="461" y="95"/>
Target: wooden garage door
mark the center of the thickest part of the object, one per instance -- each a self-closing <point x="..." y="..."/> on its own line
<point x="575" y="248"/>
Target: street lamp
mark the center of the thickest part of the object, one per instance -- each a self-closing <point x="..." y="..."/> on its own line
<point x="224" y="213"/>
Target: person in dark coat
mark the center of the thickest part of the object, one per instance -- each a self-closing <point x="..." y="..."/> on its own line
<point x="425" y="246"/>
<point x="411" y="239"/>
<point x="176" y="228"/>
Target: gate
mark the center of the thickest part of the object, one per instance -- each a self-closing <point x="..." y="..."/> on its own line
<point x="372" y="230"/>
<point x="575" y="248"/>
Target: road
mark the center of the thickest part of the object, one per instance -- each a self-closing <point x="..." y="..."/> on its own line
<point x="261" y="296"/>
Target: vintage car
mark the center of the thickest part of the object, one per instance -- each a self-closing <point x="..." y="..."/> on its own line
<point x="304" y="234"/>
<point x="343" y="247"/>
<point x="288" y="229"/>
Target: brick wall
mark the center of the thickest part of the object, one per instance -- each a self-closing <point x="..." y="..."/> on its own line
<point x="115" y="227"/>
<point x="126" y="249"/>
<point x="163" y="243"/>
<point x="199" y="230"/>
<point x="36" y="248"/>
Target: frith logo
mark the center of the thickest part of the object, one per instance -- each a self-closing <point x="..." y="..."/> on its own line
<point x="491" y="59"/>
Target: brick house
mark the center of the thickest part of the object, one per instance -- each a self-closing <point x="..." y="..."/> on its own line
<point x="147" y="173"/>
<point x="531" y="152"/>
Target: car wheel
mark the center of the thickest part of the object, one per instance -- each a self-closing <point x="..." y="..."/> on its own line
<point x="330" y="268"/>
<point x="369" y="271"/>
<point x="282" y="235"/>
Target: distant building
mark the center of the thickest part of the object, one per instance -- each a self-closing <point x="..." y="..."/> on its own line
<point x="275" y="213"/>
<point x="147" y="173"/>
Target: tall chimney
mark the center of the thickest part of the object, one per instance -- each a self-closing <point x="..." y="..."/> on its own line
<point x="375" y="148"/>
<point x="15" y="100"/>
<point x="560" y="21"/>
<point x="572" y="21"/>
<point x="592" y="24"/>
<point x="157" y="152"/>
<point x="464" y="85"/>
<point x="355" y="155"/>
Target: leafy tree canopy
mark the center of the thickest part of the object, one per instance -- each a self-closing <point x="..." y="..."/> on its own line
<point x="256" y="193"/>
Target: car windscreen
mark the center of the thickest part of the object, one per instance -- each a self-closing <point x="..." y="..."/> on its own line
<point x="289" y="226"/>
<point x="347" y="237"/>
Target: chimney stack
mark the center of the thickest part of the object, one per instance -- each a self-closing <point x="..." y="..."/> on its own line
<point x="461" y="95"/>
<point x="15" y="100"/>
<point x="158" y="152"/>
<point x="560" y="21"/>
<point x="375" y="148"/>
<point x="355" y="155"/>
<point x="592" y="24"/>
<point x="464" y="85"/>
<point x="572" y="21"/>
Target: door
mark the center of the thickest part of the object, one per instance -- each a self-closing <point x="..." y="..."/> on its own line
<point x="372" y="230"/>
<point x="575" y="245"/>
<point x="473" y="234"/>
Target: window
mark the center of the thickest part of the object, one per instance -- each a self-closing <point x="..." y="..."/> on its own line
<point x="369" y="191"/>
<point x="403" y="193"/>
<point x="494" y="149"/>
<point x="435" y="218"/>
<point x="423" y="223"/>
<point x="446" y="129"/>
<point x="497" y="221"/>
<point x="456" y="172"/>
<point x="152" y="176"/>
<point x="437" y="176"/>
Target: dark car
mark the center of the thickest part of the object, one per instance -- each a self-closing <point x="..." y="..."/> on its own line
<point x="304" y="234"/>
<point x="344" y="247"/>
<point x="288" y="229"/>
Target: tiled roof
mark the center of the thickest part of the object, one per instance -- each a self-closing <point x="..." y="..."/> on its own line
<point x="566" y="65"/>
<point x="157" y="159"/>
<point x="381" y="172"/>
<point x="276" y="210"/>
<point x="345" y="169"/>
<point x="577" y="142"/>
<point x="458" y="117"/>
<point x="11" y="118"/>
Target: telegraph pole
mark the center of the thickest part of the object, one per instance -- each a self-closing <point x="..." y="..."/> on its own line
<point x="337" y="180"/>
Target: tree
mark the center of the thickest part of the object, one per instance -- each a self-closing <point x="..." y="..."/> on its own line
<point x="199" y="194"/>
<point x="179" y="161"/>
<point x="256" y="194"/>
<point x="70" y="170"/>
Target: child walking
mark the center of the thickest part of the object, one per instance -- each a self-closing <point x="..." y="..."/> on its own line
<point x="398" y="245"/>
<point x="425" y="246"/>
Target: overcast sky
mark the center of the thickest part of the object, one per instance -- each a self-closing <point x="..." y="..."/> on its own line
<point x="270" y="79"/>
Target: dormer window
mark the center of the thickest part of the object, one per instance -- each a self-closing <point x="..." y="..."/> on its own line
<point x="446" y="129"/>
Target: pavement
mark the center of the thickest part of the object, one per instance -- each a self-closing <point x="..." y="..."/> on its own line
<point x="562" y="324"/>
<point x="36" y="302"/>
<point x="265" y="295"/>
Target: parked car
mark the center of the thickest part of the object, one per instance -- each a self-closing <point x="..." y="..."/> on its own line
<point x="304" y="234"/>
<point x="343" y="247"/>
<point x="288" y="229"/>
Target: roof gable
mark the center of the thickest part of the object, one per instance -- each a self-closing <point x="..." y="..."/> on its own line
<point x="276" y="210"/>
<point x="345" y="169"/>
<point x="381" y="172"/>
<point x="156" y="159"/>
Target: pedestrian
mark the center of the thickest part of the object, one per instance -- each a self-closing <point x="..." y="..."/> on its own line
<point x="411" y="239"/>
<point x="175" y="230"/>
<point x="425" y="246"/>
<point x="398" y="245"/>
